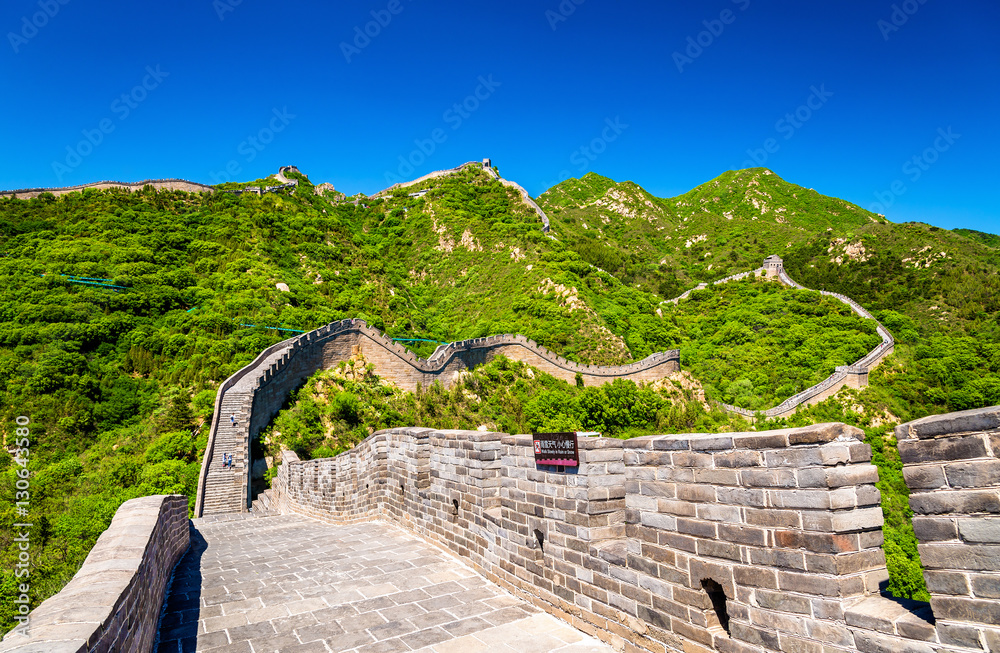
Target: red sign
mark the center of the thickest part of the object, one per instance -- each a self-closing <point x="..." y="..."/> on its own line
<point x="557" y="449"/>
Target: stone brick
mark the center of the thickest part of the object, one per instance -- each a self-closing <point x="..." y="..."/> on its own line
<point x="935" y="529"/>
<point x="979" y="530"/>
<point x="966" y="609"/>
<point x="945" y="502"/>
<point x="784" y="602"/>
<point x="959" y="635"/>
<point x="960" y="448"/>
<point x="980" y="419"/>
<point x="947" y="582"/>
<point x="756" y="577"/>
<point x="768" y="478"/>
<point x="978" y="474"/>
<point x="985" y="586"/>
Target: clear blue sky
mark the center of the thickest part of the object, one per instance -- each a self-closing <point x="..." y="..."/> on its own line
<point x="552" y="77"/>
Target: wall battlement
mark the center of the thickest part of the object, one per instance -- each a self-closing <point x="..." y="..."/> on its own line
<point x="256" y="393"/>
<point x="162" y="184"/>
<point x="734" y="542"/>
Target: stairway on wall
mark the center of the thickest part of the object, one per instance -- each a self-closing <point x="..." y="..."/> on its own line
<point x="263" y="505"/>
<point x="225" y="488"/>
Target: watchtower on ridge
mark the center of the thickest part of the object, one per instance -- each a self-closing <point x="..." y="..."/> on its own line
<point x="773" y="266"/>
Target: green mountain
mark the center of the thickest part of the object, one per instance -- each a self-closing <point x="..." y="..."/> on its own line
<point x="120" y="313"/>
<point x="938" y="291"/>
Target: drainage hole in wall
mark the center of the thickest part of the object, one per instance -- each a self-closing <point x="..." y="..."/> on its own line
<point x="718" y="597"/>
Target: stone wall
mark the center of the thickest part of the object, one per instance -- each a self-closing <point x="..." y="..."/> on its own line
<point x="113" y="603"/>
<point x="269" y="379"/>
<point x="849" y="376"/>
<point x="162" y="184"/>
<point x="741" y="543"/>
<point x="952" y="466"/>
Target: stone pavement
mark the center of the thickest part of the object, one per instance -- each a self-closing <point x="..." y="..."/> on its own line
<point x="292" y="584"/>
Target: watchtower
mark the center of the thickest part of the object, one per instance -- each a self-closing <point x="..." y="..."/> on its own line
<point x="773" y="266"/>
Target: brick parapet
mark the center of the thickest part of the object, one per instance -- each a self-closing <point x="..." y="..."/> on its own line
<point x="952" y="467"/>
<point x="113" y="602"/>
<point x="785" y="526"/>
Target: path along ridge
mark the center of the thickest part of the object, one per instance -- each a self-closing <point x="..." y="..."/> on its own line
<point x="854" y="375"/>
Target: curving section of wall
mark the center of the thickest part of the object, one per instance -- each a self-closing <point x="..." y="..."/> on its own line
<point x="113" y="603"/>
<point x="258" y="391"/>
<point x="851" y="376"/>
<point x="735" y="542"/>
<point x="161" y="184"/>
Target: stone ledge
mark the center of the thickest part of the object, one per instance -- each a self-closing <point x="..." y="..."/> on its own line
<point x="90" y="612"/>
<point x="951" y="424"/>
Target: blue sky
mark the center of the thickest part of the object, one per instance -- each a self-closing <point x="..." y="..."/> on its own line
<point x="890" y="105"/>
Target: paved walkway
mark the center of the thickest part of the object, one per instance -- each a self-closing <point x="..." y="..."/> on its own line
<point x="292" y="584"/>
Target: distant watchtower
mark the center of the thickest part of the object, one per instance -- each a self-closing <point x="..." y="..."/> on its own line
<point x="487" y="163"/>
<point x="773" y="266"/>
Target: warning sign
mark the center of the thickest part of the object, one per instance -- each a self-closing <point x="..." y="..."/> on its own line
<point x="557" y="449"/>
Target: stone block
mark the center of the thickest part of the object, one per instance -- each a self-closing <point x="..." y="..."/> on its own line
<point x="947" y="582"/>
<point x="979" y="530"/>
<point x="935" y="529"/>
<point x="985" y="586"/>
<point x="953" y="634"/>
<point x="784" y="602"/>
<point x="741" y="496"/>
<point x="944" y="449"/>
<point x="755" y="577"/>
<point x="943" y="502"/>
<point x="966" y="610"/>
<point x="933" y="426"/>
<point x="978" y="474"/>
<point x="924" y="477"/>
<point x="768" y="478"/>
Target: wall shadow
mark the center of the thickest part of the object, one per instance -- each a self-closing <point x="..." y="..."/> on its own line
<point x="178" y="627"/>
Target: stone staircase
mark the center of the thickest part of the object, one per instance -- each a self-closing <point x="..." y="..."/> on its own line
<point x="225" y="487"/>
<point x="263" y="505"/>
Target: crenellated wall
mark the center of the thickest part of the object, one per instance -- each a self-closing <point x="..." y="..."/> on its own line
<point x="162" y="184"/>
<point x="113" y="602"/>
<point x="952" y="466"/>
<point x="264" y="386"/>
<point x="736" y="542"/>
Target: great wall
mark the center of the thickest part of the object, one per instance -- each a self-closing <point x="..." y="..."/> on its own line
<point x="736" y="542"/>
<point x="759" y="542"/>
<point x="160" y="184"/>
<point x="854" y="375"/>
<point x="255" y="393"/>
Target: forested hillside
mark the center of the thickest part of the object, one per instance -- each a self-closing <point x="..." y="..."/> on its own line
<point x="121" y="313"/>
<point x="938" y="291"/>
